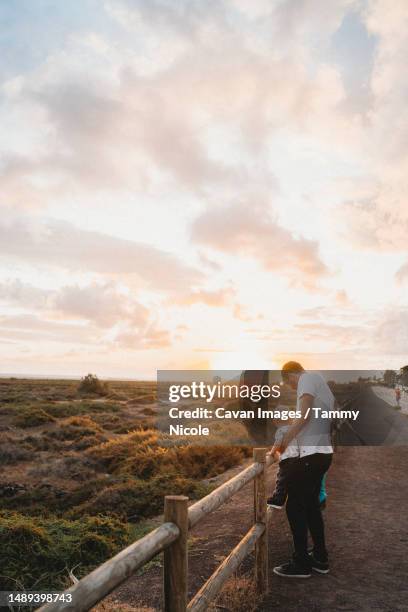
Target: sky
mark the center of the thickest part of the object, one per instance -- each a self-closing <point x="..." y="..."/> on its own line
<point x="202" y="184"/>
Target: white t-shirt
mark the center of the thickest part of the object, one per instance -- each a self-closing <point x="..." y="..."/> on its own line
<point x="315" y="436"/>
<point x="292" y="449"/>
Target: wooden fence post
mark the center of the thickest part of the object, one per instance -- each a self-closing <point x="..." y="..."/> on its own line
<point x="261" y="548"/>
<point x="175" y="556"/>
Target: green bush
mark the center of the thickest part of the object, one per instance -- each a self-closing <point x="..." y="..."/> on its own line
<point x="135" y="499"/>
<point x="48" y="500"/>
<point x="41" y="551"/>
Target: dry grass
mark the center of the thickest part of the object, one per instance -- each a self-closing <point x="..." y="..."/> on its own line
<point x="117" y="606"/>
<point x="238" y="595"/>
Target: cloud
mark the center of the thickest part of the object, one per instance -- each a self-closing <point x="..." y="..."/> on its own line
<point x="195" y="109"/>
<point x="402" y="274"/>
<point x="102" y="304"/>
<point x="216" y="298"/>
<point x="31" y="327"/>
<point x="379" y="223"/>
<point x="341" y="335"/>
<point x="97" y="315"/>
<point x="124" y="113"/>
<point x="150" y="339"/>
<point x="242" y="314"/>
<point x="379" y="219"/>
<point x="341" y="298"/>
<point x="248" y="229"/>
<point x="59" y="244"/>
<point x="391" y="334"/>
<point x="17" y="293"/>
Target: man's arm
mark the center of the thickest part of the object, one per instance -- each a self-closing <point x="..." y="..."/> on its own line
<point x="305" y="403"/>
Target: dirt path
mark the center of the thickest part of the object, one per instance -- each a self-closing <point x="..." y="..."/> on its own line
<point x="367" y="536"/>
<point x="366" y="525"/>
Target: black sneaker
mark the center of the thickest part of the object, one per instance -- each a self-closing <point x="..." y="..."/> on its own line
<point x="322" y="567"/>
<point x="292" y="570"/>
<point x="275" y="502"/>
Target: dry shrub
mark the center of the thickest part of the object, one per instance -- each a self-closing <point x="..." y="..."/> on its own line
<point x="101" y="406"/>
<point x="141" y="455"/>
<point x="66" y="409"/>
<point x="107" y="420"/>
<point x="41" y="443"/>
<point x="76" y="427"/>
<point x="12" y="452"/>
<point x="84" y="407"/>
<point x="132" y="425"/>
<point x="87" y="442"/>
<point x="31" y="417"/>
<point x="238" y="595"/>
<point x="112" y="455"/>
<point x="92" y="385"/>
<point x="207" y="461"/>
<point x="148" y="462"/>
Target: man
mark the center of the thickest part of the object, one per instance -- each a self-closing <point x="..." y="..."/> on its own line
<point x="315" y="452"/>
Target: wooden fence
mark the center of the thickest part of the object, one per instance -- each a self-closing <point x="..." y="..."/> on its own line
<point x="171" y="537"/>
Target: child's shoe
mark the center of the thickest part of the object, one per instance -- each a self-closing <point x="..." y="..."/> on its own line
<point x="276" y="501"/>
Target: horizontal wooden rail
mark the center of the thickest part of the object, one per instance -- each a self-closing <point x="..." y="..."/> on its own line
<point x="99" y="583"/>
<point x="214" y="584"/>
<point x="211" y="502"/>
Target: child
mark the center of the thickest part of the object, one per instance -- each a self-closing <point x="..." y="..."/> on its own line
<point x="286" y="460"/>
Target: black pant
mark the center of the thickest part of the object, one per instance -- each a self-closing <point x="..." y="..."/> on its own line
<point x="282" y="476"/>
<point x="303" y="508"/>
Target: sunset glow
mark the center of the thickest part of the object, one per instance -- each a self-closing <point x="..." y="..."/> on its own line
<point x="203" y="185"/>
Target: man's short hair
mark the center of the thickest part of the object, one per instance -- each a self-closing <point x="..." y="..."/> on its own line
<point x="291" y="367"/>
